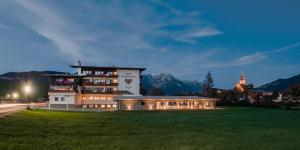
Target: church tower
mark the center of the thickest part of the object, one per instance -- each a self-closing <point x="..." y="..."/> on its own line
<point x="242" y="79"/>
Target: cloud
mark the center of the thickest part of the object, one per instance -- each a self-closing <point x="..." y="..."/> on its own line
<point x="199" y="33"/>
<point x="250" y="59"/>
<point x="4" y="26"/>
<point x="50" y="25"/>
<point x="122" y="33"/>
<point x="285" y="48"/>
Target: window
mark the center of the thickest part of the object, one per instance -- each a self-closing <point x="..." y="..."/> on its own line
<point x="62" y="98"/>
<point x="56" y="99"/>
<point x="99" y="72"/>
<point x="172" y="103"/>
<point x="142" y="103"/>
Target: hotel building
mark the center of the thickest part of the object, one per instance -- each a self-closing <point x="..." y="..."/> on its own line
<point x="113" y="88"/>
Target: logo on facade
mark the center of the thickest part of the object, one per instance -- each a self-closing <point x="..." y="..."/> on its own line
<point x="128" y="81"/>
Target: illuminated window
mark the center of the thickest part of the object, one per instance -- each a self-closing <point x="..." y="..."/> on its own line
<point x="102" y="106"/>
<point x="108" y="106"/>
<point x="109" y="98"/>
<point x="114" y="106"/>
<point x="99" y="72"/>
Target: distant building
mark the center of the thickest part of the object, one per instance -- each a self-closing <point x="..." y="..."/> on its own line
<point x="115" y="88"/>
<point x="242" y="84"/>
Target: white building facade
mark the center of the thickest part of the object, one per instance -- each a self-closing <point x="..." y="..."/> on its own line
<point x="115" y="88"/>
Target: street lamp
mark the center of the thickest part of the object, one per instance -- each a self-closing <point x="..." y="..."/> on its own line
<point x="27" y="89"/>
<point x="15" y="95"/>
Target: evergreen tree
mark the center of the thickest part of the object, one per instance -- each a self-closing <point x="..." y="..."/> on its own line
<point x="208" y="84"/>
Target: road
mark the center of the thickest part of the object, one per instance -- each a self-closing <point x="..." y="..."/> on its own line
<point x="6" y="109"/>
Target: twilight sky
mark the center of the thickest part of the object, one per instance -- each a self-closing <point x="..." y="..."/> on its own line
<point x="185" y="38"/>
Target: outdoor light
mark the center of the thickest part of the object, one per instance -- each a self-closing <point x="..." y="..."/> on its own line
<point x="7" y="96"/>
<point x="15" y="95"/>
<point x="27" y="89"/>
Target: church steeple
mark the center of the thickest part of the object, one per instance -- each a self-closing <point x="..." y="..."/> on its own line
<point x="242" y="79"/>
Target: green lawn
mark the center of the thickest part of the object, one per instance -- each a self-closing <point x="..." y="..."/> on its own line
<point x="229" y="128"/>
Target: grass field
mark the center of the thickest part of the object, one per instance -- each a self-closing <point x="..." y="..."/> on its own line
<point x="229" y="128"/>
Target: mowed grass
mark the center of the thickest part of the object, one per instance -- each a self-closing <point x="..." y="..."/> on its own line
<point x="229" y="128"/>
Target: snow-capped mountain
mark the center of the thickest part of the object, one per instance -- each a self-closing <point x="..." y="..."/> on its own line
<point x="169" y="85"/>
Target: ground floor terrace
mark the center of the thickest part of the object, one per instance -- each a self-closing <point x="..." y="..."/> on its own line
<point x="165" y="103"/>
<point x="114" y="102"/>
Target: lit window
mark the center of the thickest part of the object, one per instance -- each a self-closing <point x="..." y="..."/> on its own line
<point x="114" y="106"/>
<point x="102" y="106"/>
<point x="108" y="106"/>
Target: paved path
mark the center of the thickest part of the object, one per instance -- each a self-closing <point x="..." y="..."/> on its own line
<point x="6" y="109"/>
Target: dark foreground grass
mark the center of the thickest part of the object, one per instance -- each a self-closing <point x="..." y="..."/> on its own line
<point x="230" y="128"/>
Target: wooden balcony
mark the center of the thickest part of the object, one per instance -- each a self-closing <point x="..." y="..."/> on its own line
<point x="98" y="84"/>
<point x="102" y="75"/>
<point x="98" y="92"/>
<point x="61" y="91"/>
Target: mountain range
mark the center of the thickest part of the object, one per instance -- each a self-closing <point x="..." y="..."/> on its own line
<point x="280" y="84"/>
<point x="169" y="85"/>
<point x="13" y="82"/>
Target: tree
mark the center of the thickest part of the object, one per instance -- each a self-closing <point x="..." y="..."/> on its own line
<point x="208" y="84"/>
<point x="156" y="91"/>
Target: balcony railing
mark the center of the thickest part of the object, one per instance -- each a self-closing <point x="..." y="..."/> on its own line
<point x="62" y="83"/>
<point x="102" y="75"/>
<point x="111" y="84"/>
<point x="99" y="84"/>
<point x="98" y="92"/>
<point x="61" y="91"/>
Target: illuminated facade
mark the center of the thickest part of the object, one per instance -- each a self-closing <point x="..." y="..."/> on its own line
<point x="241" y="85"/>
<point x="114" y="88"/>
